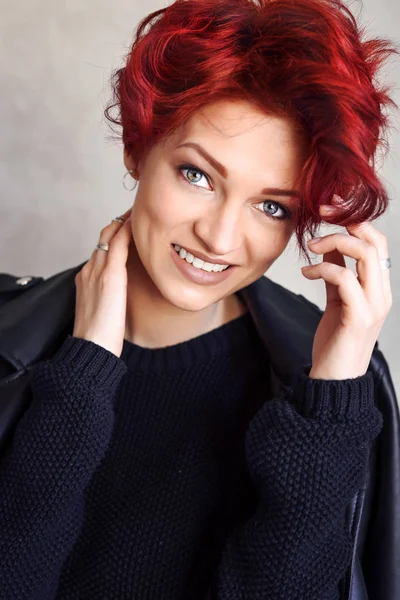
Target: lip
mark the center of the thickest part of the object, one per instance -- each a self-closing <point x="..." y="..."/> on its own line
<point x="198" y="254"/>
<point x="198" y="275"/>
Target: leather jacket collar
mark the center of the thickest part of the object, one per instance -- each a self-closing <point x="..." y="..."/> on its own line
<point x="285" y="321"/>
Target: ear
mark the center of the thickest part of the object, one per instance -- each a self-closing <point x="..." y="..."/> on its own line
<point x="129" y="163"/>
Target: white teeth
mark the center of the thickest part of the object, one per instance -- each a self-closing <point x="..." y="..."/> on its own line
<point x="197" y="262"/>
<point x="208" y="267"/>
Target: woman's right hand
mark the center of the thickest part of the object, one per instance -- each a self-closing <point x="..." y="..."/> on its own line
<point x="101" y="290"/>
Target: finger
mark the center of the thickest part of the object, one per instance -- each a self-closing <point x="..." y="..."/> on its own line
<point x="366" y="255"/>
<point x="368" y="233"/>
<point x="106" y="235"/>
<point x="336" y="258"/>
<point x="119" y="247"/>
<point x="127" y="213"/>
<point x="349" y="289"/>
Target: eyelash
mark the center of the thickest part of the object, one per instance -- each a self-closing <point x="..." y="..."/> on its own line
<point x="287" y="214"/>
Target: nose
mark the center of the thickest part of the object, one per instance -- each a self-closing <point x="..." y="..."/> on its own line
<point x="221" y="229"/>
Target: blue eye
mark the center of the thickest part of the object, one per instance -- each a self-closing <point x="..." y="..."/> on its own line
<point x="192" y="169"/>
<point x="285" y="213"/>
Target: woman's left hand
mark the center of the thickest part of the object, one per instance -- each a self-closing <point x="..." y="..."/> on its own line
<point x="356" y="306"/>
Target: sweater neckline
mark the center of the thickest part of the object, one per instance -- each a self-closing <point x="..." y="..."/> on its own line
<point x="228" y="337"/>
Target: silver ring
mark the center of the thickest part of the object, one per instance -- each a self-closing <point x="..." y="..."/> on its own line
<point x="103" y="246"/>
<point x="119" y="220"/>
<point x="386" y="263"/>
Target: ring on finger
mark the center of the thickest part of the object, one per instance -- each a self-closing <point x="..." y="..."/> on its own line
<point x="119" y="220"/>
<point x="385" y="263"/>
<point x="103" y="246"/>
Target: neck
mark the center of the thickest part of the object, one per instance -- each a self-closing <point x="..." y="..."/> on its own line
<point x="153" y="322"/>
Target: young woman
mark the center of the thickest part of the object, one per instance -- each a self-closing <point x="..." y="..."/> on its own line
<point x="161" y="457"/>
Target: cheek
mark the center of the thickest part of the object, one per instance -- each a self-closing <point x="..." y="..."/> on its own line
<point x="162" y="208"/>
<point x="267" y="247"/>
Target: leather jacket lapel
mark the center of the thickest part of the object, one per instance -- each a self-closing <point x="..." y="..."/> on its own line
<point x="28" y="331"/>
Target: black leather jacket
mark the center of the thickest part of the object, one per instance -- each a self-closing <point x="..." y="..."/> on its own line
<point x="36" y="315"/>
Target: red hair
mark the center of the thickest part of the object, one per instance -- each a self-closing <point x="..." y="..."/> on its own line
<point x="303" y="59"/>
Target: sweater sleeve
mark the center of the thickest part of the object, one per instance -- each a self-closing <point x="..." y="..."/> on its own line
<point x="307" y="454"/>
<point x="57" y="445"/>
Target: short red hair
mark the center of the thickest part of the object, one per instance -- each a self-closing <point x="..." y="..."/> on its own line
<point x="306" y="59"/>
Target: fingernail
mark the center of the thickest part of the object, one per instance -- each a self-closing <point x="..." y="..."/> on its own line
<point x="327" y="208"/>
<point x="314" y="241"/>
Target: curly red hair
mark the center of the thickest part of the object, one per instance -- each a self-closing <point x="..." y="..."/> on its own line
<point x="307" y="60"/>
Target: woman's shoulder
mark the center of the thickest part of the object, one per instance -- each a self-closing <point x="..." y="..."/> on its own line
<point x="13" y="286"/>
<point x="34" y="312"/>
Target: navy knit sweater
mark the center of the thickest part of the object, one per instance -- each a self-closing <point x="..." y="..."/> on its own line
<point x="174" y="473"/>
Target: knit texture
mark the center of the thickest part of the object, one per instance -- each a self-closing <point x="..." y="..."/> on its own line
<point x="174" y="473"/>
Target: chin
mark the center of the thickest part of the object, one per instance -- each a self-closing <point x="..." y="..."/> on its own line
<point x="188" y="299"/>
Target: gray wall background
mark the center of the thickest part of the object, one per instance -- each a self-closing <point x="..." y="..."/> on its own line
<point x="61" y="179"/>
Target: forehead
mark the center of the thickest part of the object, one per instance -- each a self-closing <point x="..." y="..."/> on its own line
<point x="245" y="140"/>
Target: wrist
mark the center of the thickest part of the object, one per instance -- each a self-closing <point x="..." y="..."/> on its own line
<point x="335" y="374"/>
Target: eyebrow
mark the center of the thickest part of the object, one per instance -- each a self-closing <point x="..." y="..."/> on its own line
<point x="223" y="171"/>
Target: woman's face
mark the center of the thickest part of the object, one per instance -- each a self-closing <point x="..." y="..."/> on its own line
<point x="221" y="207"/>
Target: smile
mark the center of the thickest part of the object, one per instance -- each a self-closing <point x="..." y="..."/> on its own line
<point x="198" y="263"/>
<point x="198" y="274"/>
